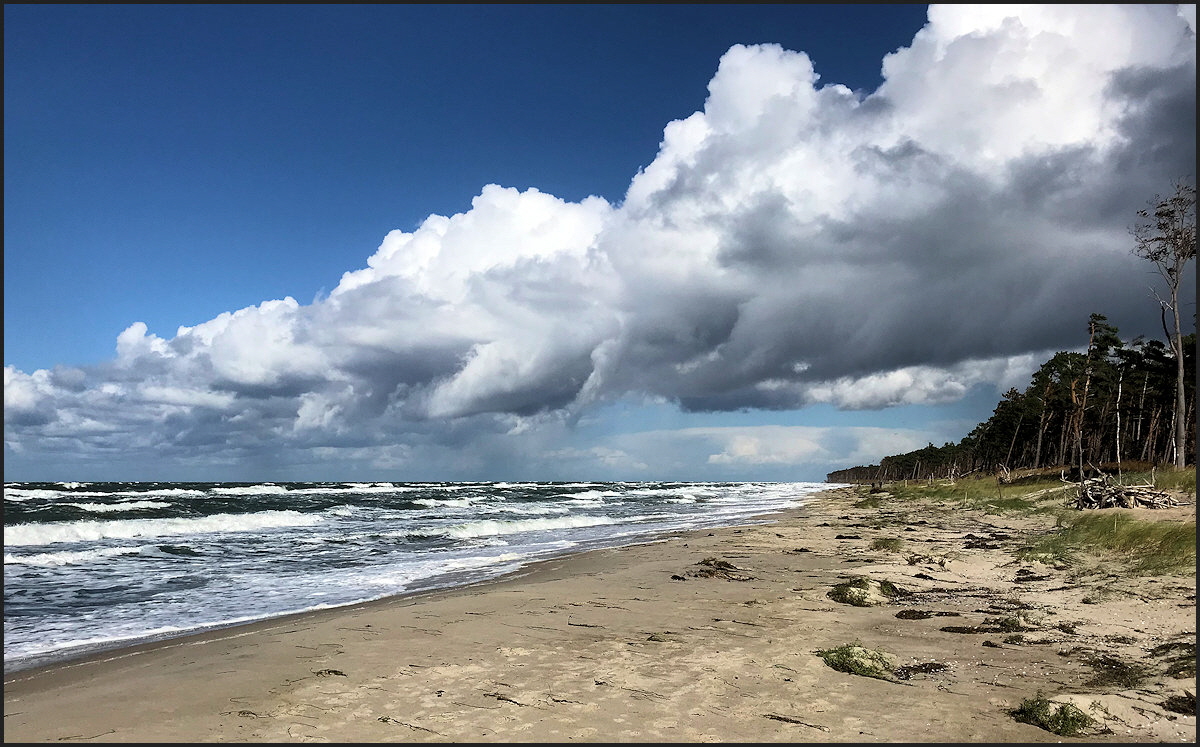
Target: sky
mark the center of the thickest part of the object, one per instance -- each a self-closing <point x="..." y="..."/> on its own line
<point x="564" y="242"/>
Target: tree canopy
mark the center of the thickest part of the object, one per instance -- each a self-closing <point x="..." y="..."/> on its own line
<point x="1113" y="403"/>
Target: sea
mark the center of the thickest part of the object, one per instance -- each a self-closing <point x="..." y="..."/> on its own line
<point x="98" y="566"/>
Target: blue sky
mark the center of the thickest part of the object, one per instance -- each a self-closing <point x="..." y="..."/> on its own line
<point x="562" y="242"/>
<point x="214" y="157"/>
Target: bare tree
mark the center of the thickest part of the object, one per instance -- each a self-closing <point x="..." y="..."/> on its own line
<point x="1165" y="234"/>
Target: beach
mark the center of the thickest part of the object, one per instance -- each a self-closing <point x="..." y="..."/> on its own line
<point x="709" y="635"/>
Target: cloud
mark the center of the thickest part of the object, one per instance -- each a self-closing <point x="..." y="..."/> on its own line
<point x="766" y="452"/>
<point x="792" y="243"/>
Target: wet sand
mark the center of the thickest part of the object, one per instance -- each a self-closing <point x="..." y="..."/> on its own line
<point x="703" y="636"/>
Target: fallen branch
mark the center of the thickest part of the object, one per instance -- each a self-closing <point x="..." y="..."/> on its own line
<point x="794" y="720"/>
<point x="1101" y="492"/>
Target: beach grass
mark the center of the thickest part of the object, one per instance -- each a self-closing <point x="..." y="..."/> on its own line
<point x="890" y="544"/>
<point x="1164" y="478"/>
<point x="1143" y="547"/>
<point x="1043" y="495"/>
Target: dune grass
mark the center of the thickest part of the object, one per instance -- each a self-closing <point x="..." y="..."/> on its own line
<point x="1043" y="495"/>
<point x="1144" y="547"/>
<point x="1141" y="546"/>
<point x="890" y="544"/>
<point x="1164" y="478"/>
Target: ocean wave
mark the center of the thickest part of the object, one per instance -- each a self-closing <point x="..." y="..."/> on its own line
<point x="92" y="530"/>
<point x="251" y="489"/>
<point x="165" y="492"/>
<point x="354" y="488"/>
<point x="68" y="557"/>
<point x="126" y="506"/>
<point x="535" y="509"/>
<point x="492" y="527"/>
<point x="588" y="496"/>
<point x="437" y="502"/>
<point x="28" y="494"/>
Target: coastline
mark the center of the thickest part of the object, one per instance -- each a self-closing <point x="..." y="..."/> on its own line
<point x="704" y="635"/>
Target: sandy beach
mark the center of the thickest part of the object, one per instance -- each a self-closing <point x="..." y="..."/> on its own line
<point x="705" y="636"/>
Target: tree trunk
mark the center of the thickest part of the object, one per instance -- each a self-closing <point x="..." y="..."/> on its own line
<point x="1180" y="396"/>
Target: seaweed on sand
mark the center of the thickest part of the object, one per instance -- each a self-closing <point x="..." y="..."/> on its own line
<point x="1063" y="719"/>
<point x="856" y="659"/>
<point x="864" y="592"/>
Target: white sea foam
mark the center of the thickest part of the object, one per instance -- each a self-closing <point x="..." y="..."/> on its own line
<point x="164" y="492"/>
<point x="251" y="489"/>
<point x="125" y="506"/>
<point x="588" y="496"/>
<point x="68" y="557"/>
<point x="27" y="494"/>
<point x="90" y="531"/>
<point x="349" y="488"/>
<point x="491" y="527"/>
<point x="536" y="510"/>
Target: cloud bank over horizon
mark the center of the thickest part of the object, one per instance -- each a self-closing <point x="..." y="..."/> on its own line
<point x="792" y="244"/>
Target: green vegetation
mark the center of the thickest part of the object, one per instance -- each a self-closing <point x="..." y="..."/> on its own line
<point x="1143" y="547"/>
<point x="1062" y="719"/>
<point x="864" y="592"/>
<point x="1167" y="478"/>
<point x="855" y="659"/>
<point x="1038" y="494"/>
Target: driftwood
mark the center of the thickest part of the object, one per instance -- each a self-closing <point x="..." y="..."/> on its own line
<point x="1101" y="492"/>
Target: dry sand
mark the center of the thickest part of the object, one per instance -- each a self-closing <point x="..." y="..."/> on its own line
<point x="652" y="644"/>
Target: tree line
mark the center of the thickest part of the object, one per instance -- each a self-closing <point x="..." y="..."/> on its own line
<point x="1117" y="402"/>
<point x="1114" y="403"/>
